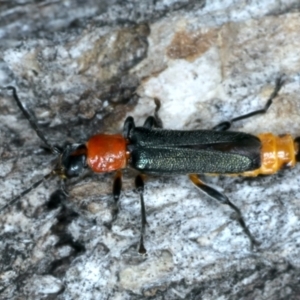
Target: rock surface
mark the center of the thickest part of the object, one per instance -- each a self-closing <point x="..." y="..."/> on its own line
<point x="81" y="68"/>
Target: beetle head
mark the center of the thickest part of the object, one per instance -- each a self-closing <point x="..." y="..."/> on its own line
<point x="72" y="161"/>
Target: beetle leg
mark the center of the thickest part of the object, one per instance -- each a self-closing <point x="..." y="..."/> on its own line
<point x="117" y="187"/>
<point x="139" y="184"/>
<point x="128" y="125"/>
<point x="154" y="121"/>
<point x="221" y="198"/>
<point x="150" y="122"/>
<point x="227" y="124"/>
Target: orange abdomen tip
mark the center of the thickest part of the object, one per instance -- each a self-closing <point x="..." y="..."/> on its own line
<point x="106" y="153"/>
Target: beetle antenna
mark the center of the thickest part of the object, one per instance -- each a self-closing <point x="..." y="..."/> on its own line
<point x="30" y="119"/>
<point x="33" y="186"/>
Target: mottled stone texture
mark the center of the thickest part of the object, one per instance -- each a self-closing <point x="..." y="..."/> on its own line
<point x="81" y="67"/>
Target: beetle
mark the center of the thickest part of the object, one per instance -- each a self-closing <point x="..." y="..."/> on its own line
<point x="152" y="150"/>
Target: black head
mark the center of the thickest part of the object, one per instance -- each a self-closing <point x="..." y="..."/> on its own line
<point x="72" y="161"/>
<point x="72" y="157"/>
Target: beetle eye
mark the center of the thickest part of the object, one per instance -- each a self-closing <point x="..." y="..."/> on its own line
<point x="75" y="165"/>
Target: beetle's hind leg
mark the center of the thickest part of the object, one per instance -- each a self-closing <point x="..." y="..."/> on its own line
<point x="227" y="124"/>
<point x="221" y="198"/>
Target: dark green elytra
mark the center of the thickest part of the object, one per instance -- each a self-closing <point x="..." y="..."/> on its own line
<point x="199" y="151"/>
